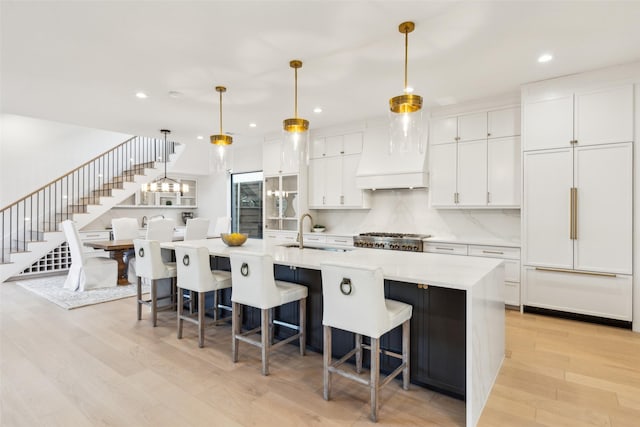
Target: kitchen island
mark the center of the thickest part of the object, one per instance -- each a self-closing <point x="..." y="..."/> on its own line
<point x="457" y="336"/>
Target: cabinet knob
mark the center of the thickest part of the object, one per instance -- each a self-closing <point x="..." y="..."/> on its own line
<point x="488" y="134"/>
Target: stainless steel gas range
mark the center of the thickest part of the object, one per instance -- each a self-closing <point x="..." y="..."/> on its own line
<point x="392" y="241"/>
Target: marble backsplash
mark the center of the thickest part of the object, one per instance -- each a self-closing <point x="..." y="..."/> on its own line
<point x="408" y="211"/>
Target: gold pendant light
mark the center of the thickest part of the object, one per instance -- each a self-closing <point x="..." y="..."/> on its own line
<point x="221" y="139"/>
<point x="295" y="124"/>
<point x="406" y="103"/>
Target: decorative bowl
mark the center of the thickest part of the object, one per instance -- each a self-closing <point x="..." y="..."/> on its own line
<point x="318" y="229"/>
<point x="233" y="239"/>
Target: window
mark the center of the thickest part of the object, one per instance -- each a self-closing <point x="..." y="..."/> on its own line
<point x="246" y="203"/>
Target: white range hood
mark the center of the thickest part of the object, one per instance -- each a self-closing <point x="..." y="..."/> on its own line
<point x="380" y="169"/>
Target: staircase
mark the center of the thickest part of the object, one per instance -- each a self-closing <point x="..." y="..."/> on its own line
<point x="30" y="226"/>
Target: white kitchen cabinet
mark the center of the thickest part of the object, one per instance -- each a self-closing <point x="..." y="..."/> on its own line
<point x="445" y="248"/>
<point x="279" y="237"/>
<point x="604" y="213"/>
<point x="546" y="220"/>
<point x="601" y="116"/>
<point x="578" y="199"/>
<point x="443" y="174"/>
<point x="332" y="173"/>
<point x="503" y="123"/>
<point x="281" y="206"/>
<point x="503" y="172"/>
<point x="475" y="160"/>
<point x="280" y="157"/>
<point x="472" y="173"/>
<point x="608" y="296"/>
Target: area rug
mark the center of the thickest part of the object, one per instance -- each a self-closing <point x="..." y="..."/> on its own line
<point x="51" y="288"/>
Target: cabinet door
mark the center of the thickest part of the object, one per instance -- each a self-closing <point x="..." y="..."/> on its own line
<point x="351" y="195"/>
<point x="317" y="182"/>
<point x="271" y="157"/>
<point x="502" y="123"/>
<point x="503" y="172"/>
<point x="352" y="143"/>
<point x="444" y="130"/>
<point x="603" y="176"/>
<point x="443" y="174"/>
<point x="316" y="148"/>
<point x="604" y="116"/>
<point x="548" y="178"/>
<point x="333" y="145"/>
<point x="472" y="173"/>
<point x="472" y="127"/>
<point x="333" y="181"/>
<point x="548" y="123"/>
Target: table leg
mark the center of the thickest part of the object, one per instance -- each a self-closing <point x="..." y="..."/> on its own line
<point x="118" y="255"/>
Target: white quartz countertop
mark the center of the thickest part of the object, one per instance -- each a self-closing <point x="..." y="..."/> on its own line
<point x="473" y="241"/>
<point x="414" y="267"/>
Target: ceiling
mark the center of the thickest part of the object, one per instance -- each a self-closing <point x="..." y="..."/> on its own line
<point x="83" y="62"/>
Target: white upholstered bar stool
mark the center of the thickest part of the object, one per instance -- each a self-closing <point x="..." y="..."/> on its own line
<point x="161" y="230"/>
<point x="195" y="274"/>
<point x="196" y="229"/>
<point x="150" y="266"/>
<point x="353" y="300"/>
<point x="254" y="285"/>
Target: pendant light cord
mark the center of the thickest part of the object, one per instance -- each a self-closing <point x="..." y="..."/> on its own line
<point x="295" y="114"/>
<point x="165" y="154"/>
<point x="220" y="112"/>
<point x="406" y="55"/>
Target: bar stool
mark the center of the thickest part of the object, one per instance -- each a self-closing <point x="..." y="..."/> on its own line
<point x="195" y="275"/>
<point x="353" y="300"/>
<point x="254" y="285"/>
<point x="150" y="266"/>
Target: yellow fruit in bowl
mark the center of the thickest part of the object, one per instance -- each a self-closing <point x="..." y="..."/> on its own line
<point x="233" y="239"/>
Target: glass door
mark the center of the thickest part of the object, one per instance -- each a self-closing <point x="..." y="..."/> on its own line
<point x="246" y="204"/>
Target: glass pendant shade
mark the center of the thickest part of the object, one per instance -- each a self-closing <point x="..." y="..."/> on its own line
<point x="164" y="184"/>
<point x="405" y="111"/>
<point x="295" y="130"/>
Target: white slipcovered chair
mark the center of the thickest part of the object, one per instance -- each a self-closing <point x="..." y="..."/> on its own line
<point x="161" y="229"/>
<point x="150" y="266"/>
<point x="196" y="229"/>
<point x="195" y="275"/>
<point x="353" y="300"/>
<point x="222" y="225"/>
<point x="87" y="272"/>
<point x="254" y="285"/>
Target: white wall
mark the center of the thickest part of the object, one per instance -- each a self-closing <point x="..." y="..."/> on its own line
<point x="407" y="211"/>
<point x="34" y="152"/>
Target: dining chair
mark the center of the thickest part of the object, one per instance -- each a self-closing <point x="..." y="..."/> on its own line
<point x="353" y="301"/>
<point x="195" y="275"/>
<point x="222" y="225"/>
<point x="254" y="285"/>
<point x="151" y="267"/>
<point x="87" y="272"/>
<point x="196" y="229"/>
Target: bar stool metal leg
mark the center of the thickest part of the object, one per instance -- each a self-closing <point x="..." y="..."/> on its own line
<point x="405" y="354"/>
<point x="139" y="298"/>
<point x="358" y="353"/>
<point x="201" y="313"/>
<point x="236" y="328"/>
<point x="154" y="301"/>
<point x="180" y="311"/>
<point x="302" y="322"/>
<point x="265" y="335"/>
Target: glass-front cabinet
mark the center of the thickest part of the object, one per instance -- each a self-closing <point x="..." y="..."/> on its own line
<point x="281" y="202"/>
<point x="170" y="198"/>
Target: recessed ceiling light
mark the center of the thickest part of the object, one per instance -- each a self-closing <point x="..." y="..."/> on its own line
<point x="199" y="137"/>
<point x="317" y="110"/>
<point x="252" y="125"/>
<point x="175" y="94"/>
<point x="546" y="57"/>
<point x="141" y="95"/>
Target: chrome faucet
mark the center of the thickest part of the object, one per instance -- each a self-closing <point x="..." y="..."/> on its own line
<point x="300" y="235"/>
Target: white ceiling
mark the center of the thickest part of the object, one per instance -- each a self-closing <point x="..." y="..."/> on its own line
<point x="82" y="62"/>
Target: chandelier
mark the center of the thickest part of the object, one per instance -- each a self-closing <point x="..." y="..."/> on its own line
<point x="165" y="184"/>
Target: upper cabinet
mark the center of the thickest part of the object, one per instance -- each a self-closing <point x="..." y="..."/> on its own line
<point x="332" y="172"/>
<point x="475" y="160"/>
<point x="599" y="116"/>
<point x="280" y="157"/>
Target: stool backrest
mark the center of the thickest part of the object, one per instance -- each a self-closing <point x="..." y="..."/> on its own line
<point x="196" y="229"/>
<point x="253" y="280"/>
<point x="353" y="299"/>
<point x="194" y="271"/>
<point x="223" y="225"/>
<point x="161" y="229"/>
<point x="73" y="240"/>
<point x="148" y="259"/>
<point x="124" y="228"/>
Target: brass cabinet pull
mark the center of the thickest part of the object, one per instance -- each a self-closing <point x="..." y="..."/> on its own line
<point x="444" y="249"/>
<point x="566" y="270"/>
<point x="493" y="252"/>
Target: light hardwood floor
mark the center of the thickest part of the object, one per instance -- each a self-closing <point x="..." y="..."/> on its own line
<point x="98" y="366"/>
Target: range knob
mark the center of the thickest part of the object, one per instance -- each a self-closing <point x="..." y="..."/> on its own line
<point x="404" y="247"/>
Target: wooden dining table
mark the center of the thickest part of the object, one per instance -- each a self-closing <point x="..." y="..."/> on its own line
<point x="116" y="249"/>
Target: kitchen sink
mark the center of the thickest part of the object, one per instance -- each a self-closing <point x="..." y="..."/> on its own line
<point x="319" y="248"/>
